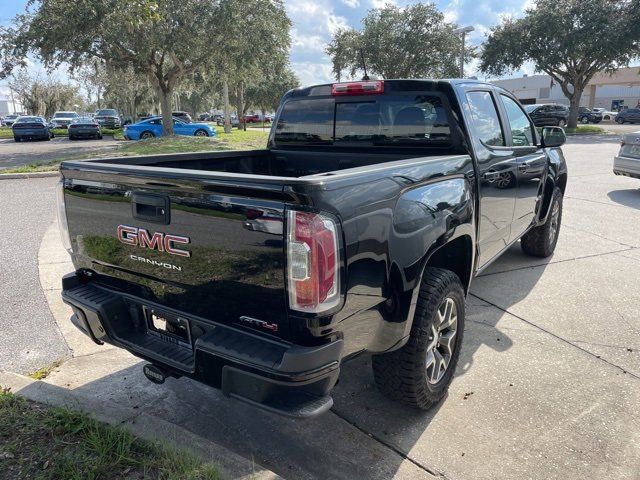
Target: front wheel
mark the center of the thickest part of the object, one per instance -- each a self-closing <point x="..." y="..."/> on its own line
<point x="201" y="133"/>
<point x="620" y="121"/>
<point x="16" y="139"/>
<point x="145" y="135"/>
<point x="419" y="373"/>
<point x="584" y="120"/>
<point x="541" y="241"/>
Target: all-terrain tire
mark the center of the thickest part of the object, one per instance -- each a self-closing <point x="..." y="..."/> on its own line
<point x="405" y="374"/>
<point x="541" y="241"/>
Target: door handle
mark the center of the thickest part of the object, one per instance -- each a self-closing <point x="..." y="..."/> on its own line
<point x="491" y="176"/>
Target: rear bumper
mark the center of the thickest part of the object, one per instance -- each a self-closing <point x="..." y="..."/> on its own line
<point x="277" y="376"/>
<point x="626" y="166"/>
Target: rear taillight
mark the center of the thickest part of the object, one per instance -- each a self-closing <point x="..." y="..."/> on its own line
<point x="357" y="88"/>
<point x="312" y="262"/>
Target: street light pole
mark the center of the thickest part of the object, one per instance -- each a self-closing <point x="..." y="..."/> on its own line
<point x="463" y="31"/>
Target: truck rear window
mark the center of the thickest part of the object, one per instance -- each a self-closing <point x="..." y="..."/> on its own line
<point x="389" y="120"/>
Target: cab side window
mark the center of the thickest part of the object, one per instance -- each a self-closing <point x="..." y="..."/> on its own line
<point x="485" y="118"/>
<point x="521" y="131"/>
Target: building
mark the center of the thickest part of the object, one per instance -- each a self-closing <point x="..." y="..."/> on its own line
<point x="9" y="105"/>
<point x="613" y="92"/>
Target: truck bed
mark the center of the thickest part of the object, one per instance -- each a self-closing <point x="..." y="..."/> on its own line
<point x="269" y="163"/>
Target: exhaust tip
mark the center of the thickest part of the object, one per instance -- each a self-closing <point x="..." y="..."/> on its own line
<point x="154" y="374"/>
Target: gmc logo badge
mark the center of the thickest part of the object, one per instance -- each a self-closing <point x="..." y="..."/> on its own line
<point x="162" y="242"/>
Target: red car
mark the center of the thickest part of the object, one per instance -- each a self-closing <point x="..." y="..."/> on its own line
<point x="255" y="118"/>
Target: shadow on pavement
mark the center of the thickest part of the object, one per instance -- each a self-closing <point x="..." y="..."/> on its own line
<point x="385" y="432"/>
<point x="629" y="197"/>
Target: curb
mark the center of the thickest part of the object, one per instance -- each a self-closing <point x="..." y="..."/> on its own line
<point x="141" y="425"/>
<point x="10" y="176"/>
<point x="53" y="263"/>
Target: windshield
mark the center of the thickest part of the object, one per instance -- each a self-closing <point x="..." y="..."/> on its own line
<point x="65" y="114"/>
<point x="28" y="119"/>
<point x="106" y="113"/>
<point x="389" y="120"/>
<point x="83" y="120"/>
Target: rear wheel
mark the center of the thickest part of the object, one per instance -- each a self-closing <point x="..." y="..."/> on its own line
<point x="620" y="121"/>
<point x="420" y="372"/>
<point x="562" y="122"/>
<point x="201" y="133"/>
<point x="147" y="134"/>
<point x="16" y="139"/>
<point x="584" y="120"/>
<point x="541" y="241"/>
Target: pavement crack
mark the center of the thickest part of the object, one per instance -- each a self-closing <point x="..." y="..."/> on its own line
<point x="596" y="201"/>
<point x="560" y="261"/>
<point x="393" y="448"/>
<point x="558" y="337"/>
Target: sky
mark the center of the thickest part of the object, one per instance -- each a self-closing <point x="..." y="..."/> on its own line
<point x="315" y="21"/>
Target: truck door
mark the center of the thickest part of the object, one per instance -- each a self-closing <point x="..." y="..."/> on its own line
<point x="531" y="165"/>
<point x="496" y="169"/>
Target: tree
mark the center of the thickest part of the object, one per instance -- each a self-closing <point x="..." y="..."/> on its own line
<point x="92" y="76"/>
<point x="43" y="96"/>
<point x="266" y="93"/>
<point x="130" y="93"/>
<point x="258" y="46"/>
<point x="569" y="40"/>
<point x="163" y="39"/>
<point x="410" y="42"/>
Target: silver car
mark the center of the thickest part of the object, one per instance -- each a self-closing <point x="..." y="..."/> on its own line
<point x="627" y="162"/>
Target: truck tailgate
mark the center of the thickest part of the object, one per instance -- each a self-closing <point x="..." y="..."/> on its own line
<point x="211" y="249"/>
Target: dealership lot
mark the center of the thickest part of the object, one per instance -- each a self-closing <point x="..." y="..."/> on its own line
<point x="548" y="384"/>
<point x="15" y="154"/>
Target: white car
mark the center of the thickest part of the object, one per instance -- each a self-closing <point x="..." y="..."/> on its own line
<point x="63" y="119"/>
<point x="606" y="114"/>
<point x="627" y="162"/>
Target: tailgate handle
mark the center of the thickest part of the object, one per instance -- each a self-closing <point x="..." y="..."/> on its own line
<point x="151" y="207"/>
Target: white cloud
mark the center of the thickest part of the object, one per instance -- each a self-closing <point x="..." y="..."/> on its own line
<point x="382" y="3"/>
<point x="351" y="3"/>
<point x="336" y="22"/>
<point x="313" y="73"/>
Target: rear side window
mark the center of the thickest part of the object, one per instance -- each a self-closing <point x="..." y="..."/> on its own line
<point x="389" y="120"/>
<point x="485" y="118"/>
<point x="521" y="131"/>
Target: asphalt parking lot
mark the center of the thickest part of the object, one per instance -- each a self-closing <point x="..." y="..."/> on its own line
<point x="14" y="154"/>
<point x="548" y="384"/>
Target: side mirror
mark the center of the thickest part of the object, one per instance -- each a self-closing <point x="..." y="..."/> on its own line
<point x="553" y="137"/>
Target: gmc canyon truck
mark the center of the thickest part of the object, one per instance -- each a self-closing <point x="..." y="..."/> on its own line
<point x="358" y="228"/>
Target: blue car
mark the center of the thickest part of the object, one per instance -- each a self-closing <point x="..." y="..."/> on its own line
<point x="152" y="127"/>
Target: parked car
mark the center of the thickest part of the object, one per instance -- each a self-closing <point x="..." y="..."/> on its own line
<point x="184" y="116"/>
<point x="152" y="127"/>
<point x="63" y="119"/>
<point x="628" y="115"/>
<point x="606" y="114"/>
<point x="84" y="127"/>
<point x="586" y="115"/>
<point x="108" y="118"/>
<point x="256" y="118"/>
<point x="548" y="114"/>
<point x="234" y="121"/>
<point x="358" y="228"/>
<point x="31" y="128"/>
<point x="9" y="120"/>
<point x="627" y="162"/>
<point x="204" y="117"/>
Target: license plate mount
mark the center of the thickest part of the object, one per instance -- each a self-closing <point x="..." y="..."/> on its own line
<point x="167" y="326"/>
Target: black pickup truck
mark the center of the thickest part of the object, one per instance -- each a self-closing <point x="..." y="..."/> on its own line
<point x="358" y="228"/>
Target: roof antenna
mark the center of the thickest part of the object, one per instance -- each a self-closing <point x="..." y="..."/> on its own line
<point x="364" y="66"/>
